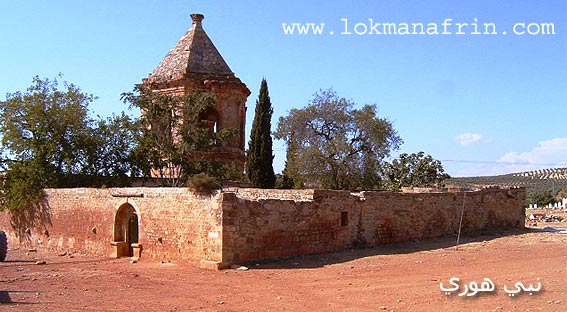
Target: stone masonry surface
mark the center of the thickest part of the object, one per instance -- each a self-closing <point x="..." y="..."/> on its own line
<point x="174" y="224"/>
<point x="257" y="226"/>
<point x="239" y="225"/>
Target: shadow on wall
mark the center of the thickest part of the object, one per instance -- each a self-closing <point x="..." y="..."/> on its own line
<point x="35" y="216"/>
<point x="321" y="260"/>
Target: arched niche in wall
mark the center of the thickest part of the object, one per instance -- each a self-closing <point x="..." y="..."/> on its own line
<point x="126" y="231"/>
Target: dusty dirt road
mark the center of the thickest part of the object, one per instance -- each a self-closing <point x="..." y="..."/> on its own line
<point x="399" y="277"/>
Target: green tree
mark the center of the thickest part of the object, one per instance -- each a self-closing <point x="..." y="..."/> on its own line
<point x="112" y="148"/>
<point x="46" y="127"/>
<point x="44" y="131"/>
<point x="177" y="135"/>
<point x="157" y="124"/>
<point x="22" y="186"/>
<point x="414" y="170"/>
<point x="259" y="159"/>
<point x="49" y="140"/>
<point x="336" y="146"/>
<point x="542" y="198"/>
<point x="290" y="178"/>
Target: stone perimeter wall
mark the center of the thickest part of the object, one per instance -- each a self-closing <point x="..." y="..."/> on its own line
<point x="173" y="223"/>
<point x="262" y="224"/>
<point x="241" y="225"/>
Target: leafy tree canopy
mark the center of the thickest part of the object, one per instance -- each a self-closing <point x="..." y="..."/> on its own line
<point x="333" y="145"/>
<point x="414" y="170"/>
<point x="49" y="140"/>
<point x="177" y="134"/>
<point x="542" y="198"/>
<point x="47" y="125"/>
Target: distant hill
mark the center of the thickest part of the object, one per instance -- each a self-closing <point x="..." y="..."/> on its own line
<point x="534" y="181"/>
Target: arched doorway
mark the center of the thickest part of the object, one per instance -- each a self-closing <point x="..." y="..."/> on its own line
<point x="126" y="232"/>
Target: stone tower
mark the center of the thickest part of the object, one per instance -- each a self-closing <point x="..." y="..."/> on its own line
<point x="195" y="64"/>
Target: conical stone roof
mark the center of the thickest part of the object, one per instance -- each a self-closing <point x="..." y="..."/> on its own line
<point x="195" y="53"/>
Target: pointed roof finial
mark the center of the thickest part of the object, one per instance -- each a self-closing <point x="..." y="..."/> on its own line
<point x="197" y="18"/>
<point x="195" y="53"/>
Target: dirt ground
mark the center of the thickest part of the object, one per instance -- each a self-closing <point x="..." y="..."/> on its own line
<point x="397" y="277"/>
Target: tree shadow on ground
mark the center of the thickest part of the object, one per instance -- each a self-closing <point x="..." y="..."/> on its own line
<point x="62" y="262"/>
<point x="18" y="261"/>
<point x="321" y="260"/>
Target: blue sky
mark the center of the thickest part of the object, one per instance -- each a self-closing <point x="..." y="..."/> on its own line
<point x="483" y="104"/>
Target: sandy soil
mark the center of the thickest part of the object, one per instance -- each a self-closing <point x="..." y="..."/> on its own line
<point x="398" y="277"/>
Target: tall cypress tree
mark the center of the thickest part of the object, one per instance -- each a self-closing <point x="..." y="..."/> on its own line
<point x="259" y="160"/>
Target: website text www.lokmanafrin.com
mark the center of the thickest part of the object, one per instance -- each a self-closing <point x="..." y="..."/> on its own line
<point x="447" y="26"/>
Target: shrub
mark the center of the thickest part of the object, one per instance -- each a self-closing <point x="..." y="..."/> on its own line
<point x="203" y="183"/>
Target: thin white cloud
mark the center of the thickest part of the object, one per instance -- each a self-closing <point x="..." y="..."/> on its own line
<point x="469" y="138"/>
<point x="549" y="153"/>
<point x="545" y="155"/>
